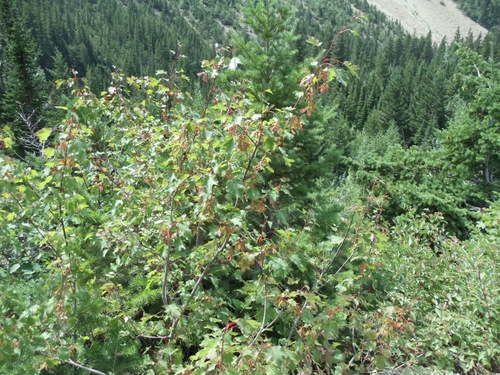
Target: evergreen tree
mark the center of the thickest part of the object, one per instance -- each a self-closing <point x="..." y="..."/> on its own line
<point x="268" y="55"/>
<point x="270" y="72"/>
<point x="24" y="96"/>
<point x="472" y="141"/>
<point x="60" y="69"/>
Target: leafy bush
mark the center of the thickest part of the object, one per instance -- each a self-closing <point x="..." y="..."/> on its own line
<point x="419" y="310"/>
<point x="158" y="244"/>
<point x="154" y="221"/>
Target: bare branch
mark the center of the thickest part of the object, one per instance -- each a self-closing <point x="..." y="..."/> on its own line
<point x="72" y="363"/>
<point x="198" y="283"/>
<point x="30" y="125"/>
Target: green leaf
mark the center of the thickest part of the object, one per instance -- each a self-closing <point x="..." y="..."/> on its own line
<point x="338" y="357"/>
<point x="220" y="107"/>
<point x="269" y="143"/>
<point x="43" y="134"/>
<point x="332" y="74"/>
<point x="235" y="188"/>
<point x="154" y="82"/>
<point x="14" y="267"/>
<point x="229" y="144"/>
<point x="380" y="361"/>
<point x="173" y="310"/>
<point x="184" y="230"/>
<point x="335" y="240"/>
<point x="253" y="194"/>
<point x="342" y="77"/>
<point x="281" y="216"/>
<point x="49" y="152"/>
<point x="252" y="323"/>
<point x="42" y="184"/>
<point x="297" y="260"/>
<point x="8" y="142"/>
<point x="77" y="147"/>
<point x="275" y="354"/>
<point x="64" y="354"/>
<point x="211" y="181"/>
<point x="314" y="41"/>
<point x="288" y="162"/>
<point x="312" y="298"/>
<point x="352" y="68"/>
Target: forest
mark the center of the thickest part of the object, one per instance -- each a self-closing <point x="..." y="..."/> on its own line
<point x="246" y="187"/>
<point x="485" y="12"/>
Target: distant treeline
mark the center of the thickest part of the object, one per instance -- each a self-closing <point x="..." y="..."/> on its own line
<point x="140" y="37"/>
<point x="485" y="12"/>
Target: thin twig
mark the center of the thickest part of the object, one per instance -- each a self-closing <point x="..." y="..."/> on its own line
<point x="164" y="286"/>
<point x="158" y="337"/>
<point x="254" y="340"/>
<point x="264" y="316"/>
<point x="297" y="320"/>
<point x="294" y="327"/>
<point x="197" y="285"/>
<point x="37" y="228"/>
<point x="337" y="252"/>
<point x="346" y="261"/>
<point x="214" y="80"/>
<point x="325" y="57"/>
<point x="72" y="363"/>
<point x="269" y="325"/>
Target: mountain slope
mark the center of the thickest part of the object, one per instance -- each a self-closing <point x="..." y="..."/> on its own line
<point x="441" y="17"/>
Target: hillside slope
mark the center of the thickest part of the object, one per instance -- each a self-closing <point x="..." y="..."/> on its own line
<point x="441" y="17"/>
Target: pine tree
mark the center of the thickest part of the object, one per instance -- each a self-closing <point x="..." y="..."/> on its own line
<point x="271" y="73"/>
<point x="472" y="141"/>
<point x="24" y="94"/>
<point x="268" y="56"/>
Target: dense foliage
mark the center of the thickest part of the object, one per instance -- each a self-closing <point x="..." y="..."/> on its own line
<point x="287" y="207"/>
<point x="485" y="12"/>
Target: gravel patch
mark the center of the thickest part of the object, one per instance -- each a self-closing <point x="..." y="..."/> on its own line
<point x="441" y="17"/>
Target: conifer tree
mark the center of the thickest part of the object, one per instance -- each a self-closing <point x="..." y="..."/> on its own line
<point x="472" y="142"/>
<point x="272" y="74"/>
<point x="267" y="56"/>
<point x="24" y="95"/>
